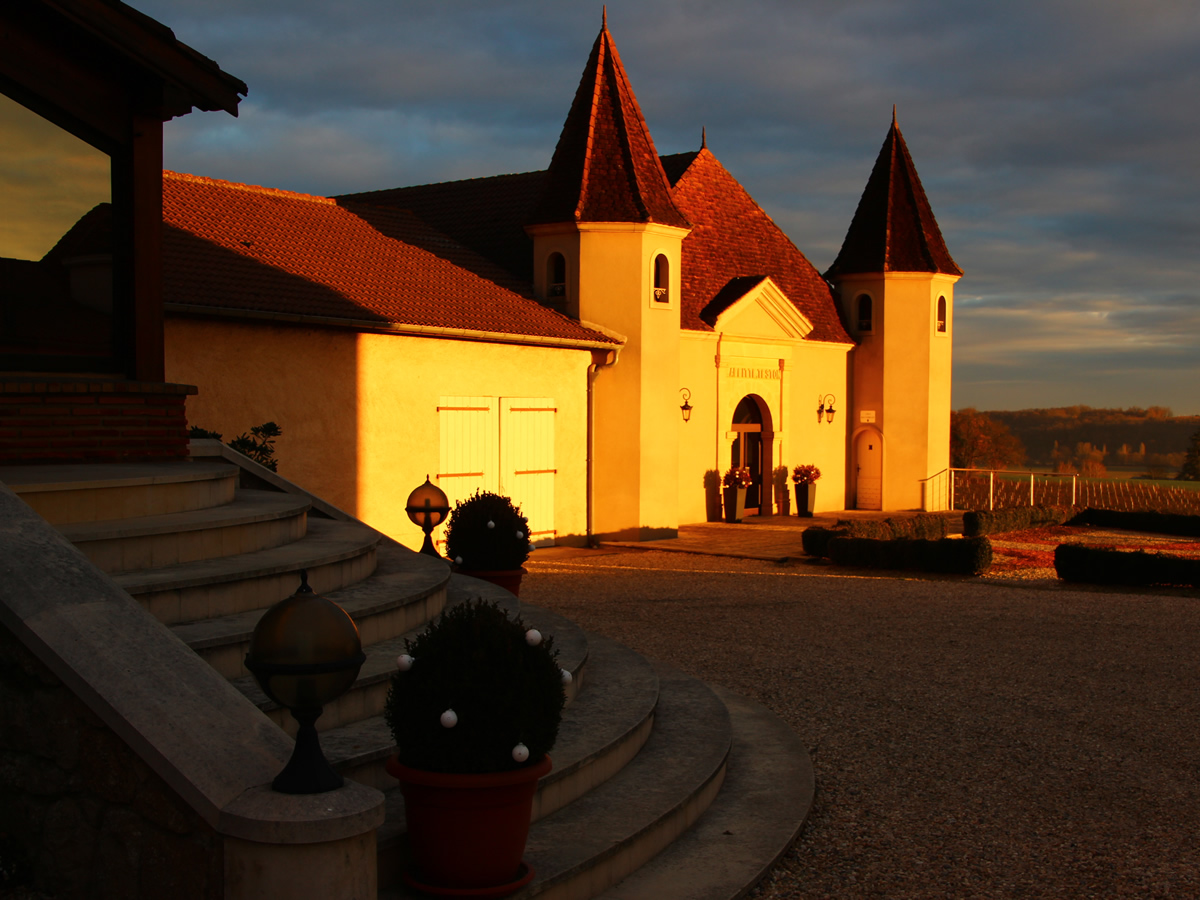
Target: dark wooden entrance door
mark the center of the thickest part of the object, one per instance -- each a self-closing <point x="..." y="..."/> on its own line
<point x="747" y="450"/>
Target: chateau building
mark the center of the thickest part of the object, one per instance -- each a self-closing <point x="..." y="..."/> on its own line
<point x="589" y="339"/>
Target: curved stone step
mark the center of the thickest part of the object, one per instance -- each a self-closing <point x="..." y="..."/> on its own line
<point x="405" y="591"/>
<point x="609" y="832"/>
<point x="759" y="813"/>
<point x="334" y="553"/>
<point x="255" y="520"/>
<point x="104" y="491"/>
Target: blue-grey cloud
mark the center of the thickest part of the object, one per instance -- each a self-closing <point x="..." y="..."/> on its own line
<point x="1057" y="139"/>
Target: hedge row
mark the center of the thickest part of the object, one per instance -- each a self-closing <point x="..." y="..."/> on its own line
<point x="978" y="522"/>
<point x="923" y="527"/>
<point x="1155" y="522"/>
<point x="966" y="556"/>
<point x="1100" y="565"/>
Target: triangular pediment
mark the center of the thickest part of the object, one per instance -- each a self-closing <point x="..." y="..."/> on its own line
<point x="763" y="311"/>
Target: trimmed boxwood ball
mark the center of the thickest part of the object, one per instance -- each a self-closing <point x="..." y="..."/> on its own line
<point x="487" y="533"/>
<point x="475" y="659"/>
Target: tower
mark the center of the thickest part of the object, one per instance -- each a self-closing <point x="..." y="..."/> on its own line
<point x="895" y="280"/>
<point x="607" y="240"/>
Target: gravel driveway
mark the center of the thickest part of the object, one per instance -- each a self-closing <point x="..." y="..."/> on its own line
<point x="969" y="739"/>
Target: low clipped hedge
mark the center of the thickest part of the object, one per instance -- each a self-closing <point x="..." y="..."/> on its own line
<point x="816" y="540"/>
<point x="978" y="522"/>
<point x="954" y="556"/>
<point x="1154" y="522"/>
<point x="1102" y="565"/>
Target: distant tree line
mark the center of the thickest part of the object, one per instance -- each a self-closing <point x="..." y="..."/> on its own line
<point x="1077" y="439"/>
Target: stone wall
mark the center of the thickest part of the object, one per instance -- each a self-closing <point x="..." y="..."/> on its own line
<point x="94" y="819"/>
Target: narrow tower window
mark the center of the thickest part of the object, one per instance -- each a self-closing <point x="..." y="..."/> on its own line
<point x="556" y="275"/>
<point x="866" y="321"/>
<point x="941" y="315"/>
<point x="662" y="279"/>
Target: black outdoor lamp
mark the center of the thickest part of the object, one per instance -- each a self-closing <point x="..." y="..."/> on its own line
<point x="686" y="407"/>
<point x="428" y="507"/>
<point x="826" y="408"/>
<point x="305" y="652"/>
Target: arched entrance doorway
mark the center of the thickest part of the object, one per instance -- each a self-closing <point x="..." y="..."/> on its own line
<point x="868" y="467"/>
<point x="751" y="449"/>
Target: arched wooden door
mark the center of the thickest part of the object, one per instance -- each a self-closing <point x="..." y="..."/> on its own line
<point x="747" y="449"/>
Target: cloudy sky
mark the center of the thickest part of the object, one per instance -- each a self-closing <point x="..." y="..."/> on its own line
<point x="1058" y="140"/>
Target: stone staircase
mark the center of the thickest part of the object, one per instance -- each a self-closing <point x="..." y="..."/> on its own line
<point x="661" y="788"/>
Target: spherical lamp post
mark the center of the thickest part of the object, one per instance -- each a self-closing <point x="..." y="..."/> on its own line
<point x="305" y="652"/>
<point x="428" y="507"/>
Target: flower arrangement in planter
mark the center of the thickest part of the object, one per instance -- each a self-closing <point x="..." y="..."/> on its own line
<point x="804" y="479"/>
<point x="805" y="474"/>
<point x="735" y="481"/>
<point x="737" y="476"/>
<point x="474" y="708"/>
<point x="488" y="537"/>
<point x="712" y="495"/>
<point x="779" y="476"/>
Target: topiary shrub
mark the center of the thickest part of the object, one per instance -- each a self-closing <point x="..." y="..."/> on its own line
<point x="487" y="532"/>
<point x="979" y="522"/>
<point x="1154" y="522"/>
<point x="815" y="540"/>
<point x="1104" y="565"/>
<point x="503" y="687"/>
<point x="954" y="556"/>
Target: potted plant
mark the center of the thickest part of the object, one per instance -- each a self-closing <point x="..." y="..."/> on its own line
<point x="487" y="537"/>
<point x="474" y="708"/>
<point x="712" y="495"/>
<point x="735" y="482"/>
<point x="779" y="479"/>
<point x="804" y="480"/>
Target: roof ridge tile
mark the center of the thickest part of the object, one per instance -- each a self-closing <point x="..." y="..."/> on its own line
<point x="248" y="188"/>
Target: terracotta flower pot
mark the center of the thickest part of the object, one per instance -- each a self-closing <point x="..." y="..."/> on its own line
<point x="467" y="832"/>
<point x="509" y="579"/>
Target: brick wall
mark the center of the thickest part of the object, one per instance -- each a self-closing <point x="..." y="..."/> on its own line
<point x="59" y="421"/>
<point x="93" y="819"/>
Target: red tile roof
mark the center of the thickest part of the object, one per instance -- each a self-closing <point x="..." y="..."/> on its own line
<point x="893" y="229"/>
<point x="732" y="239"/>
<point x="486" y="214"/>
<point x="239" y="247"/>
<point x="605" y="167"/>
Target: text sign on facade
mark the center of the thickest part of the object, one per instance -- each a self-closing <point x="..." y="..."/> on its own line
<point x="866" y="415"/>
<point x="745" y="372"/>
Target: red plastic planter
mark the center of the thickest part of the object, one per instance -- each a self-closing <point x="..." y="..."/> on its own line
<point x="468" y="832"/>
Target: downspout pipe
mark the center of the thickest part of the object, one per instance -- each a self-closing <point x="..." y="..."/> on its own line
<point x="601" y="359"/>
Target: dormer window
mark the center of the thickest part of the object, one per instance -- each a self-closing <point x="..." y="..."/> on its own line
<point x="866" y="318"/>
<point x="556" y="276"/>
<point x="941" y="315"/>
<point x="662" y="279"/>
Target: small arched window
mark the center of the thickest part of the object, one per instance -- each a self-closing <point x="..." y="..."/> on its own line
<point x="866" y="319"/>
<point x="662" y="279"/>
<point x="556" y="275"/>
<point x="941" y="315"/>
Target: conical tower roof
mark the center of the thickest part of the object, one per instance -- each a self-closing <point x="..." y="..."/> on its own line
<point x="605" y="167"/>
<point x="893" y="229"/>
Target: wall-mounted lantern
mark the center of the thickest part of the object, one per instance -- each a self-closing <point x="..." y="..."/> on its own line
<point x="305" y="653"/>
<point x="686" y="407"/>
<point x="826" y="408"/>
<point x="428" y="507"/>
